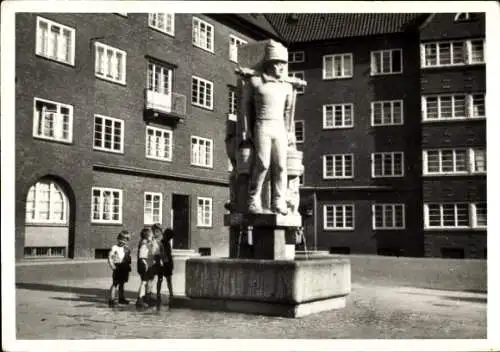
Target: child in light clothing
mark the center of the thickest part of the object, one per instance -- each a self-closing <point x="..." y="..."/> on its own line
<point x="144" y="265"/>
<point x="155" y="257"/>
<point x="119" y="261"/>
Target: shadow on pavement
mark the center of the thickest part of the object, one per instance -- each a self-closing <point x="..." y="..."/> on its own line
<point x="98" y="292"/>
<point x="467" y="299"/>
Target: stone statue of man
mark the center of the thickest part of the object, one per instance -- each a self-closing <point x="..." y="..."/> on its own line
<point x="269" y="97"/>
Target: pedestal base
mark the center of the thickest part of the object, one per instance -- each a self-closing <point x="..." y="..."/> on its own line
<point x="289" y="288"/>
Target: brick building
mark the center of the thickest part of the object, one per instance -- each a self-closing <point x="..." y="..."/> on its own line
<point x="120" y="122"/>
<point x="387" y="171"/>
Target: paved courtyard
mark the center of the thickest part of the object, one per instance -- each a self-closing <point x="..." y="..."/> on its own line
<point x="77" y="309"/>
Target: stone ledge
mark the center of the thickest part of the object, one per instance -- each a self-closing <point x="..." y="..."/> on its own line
<point x="262" y="220"/>
<point x="261" y="308"/>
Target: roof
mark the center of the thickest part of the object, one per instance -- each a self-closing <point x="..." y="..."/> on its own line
<point x="307" y="27"/>
<point x="258" y="20"/>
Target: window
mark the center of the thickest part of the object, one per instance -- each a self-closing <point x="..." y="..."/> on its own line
<point x="453" y="107"/>
<point x="337" y="66"/>
<point x="204" y="212"/>
<point x="299" y="131"/>
<point x="455" y="215"/>
<point x="202" y="92"/>
<point x="46" y="203"/>
<point x="299" y="75"/>
<point x="159" y="78"/>
<point x="479" y="215"/>
<point x="338" y="217"/>
<point x="152" y="208"/>
<point x="477" y="160"/>
<point x="108" y="134"/>
<point x="386" y="61"/>
<point x="388" y="164"/>
<point x="55" y="41"/>
<point x="110" y="63"/>
<point x="453" y="53"/>
<point x="458" y="161"/>
<point x="388" y="216"/>
<point x="201" y="151"/>
<point x="387" y="112"/>
<point x="203" y="34"/>
<point x="106" y="205"/>
<point x="338" y="116"/>
<point x="45" y="252"/>
<point x="338" y="166"/>
<point x="53" y="120"/>
<point x="296" y="57"/>
<point x="164" y="22"/>
<point x="234" y="43"/>
<point x="232" y="103"/>
<point x="158" y="143"/>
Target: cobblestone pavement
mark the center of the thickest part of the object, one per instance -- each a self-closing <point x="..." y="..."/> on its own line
<point x="77" y="310"/>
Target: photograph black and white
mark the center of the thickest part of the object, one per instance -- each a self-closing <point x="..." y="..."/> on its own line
<point x="261" y="172"/>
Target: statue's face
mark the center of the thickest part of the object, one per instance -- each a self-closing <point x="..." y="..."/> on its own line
<point x="276" y="68"/>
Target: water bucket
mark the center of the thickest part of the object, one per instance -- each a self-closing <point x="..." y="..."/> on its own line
<point x="294" y="162"/>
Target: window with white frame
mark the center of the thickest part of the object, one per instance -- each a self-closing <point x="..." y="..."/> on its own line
<point x="479" y="215"/>
<point x="55" y="41"/>
<point x="296" y="57"/>
<point x="203" y="34"/>
<point x="388" y="164"/>
<point x="159" y="78"/>
<point x="234" y="43"/>
<point x="204" y="211"/>
<point x="164" y="22"/>
<point x="386" y="61"/>
<point x="201" y="151"/>
<point x="388" y="216"/>
<point x="107" y="205"/>
<point x="337" y="66"/>
<point x="46" y="203"/>
<point x="110" y="63"/>
<point x="299" y="131"/>
<point x="477" y="160"/>
<point x="232" y="103"/>
<point x="387" y="112"/>
<point x="53" y="120"/>
<point x="452" y="53"/>
<point x="338" y="166"/>
<point x="338" y="217"/>
<point x="299" y="75"/>
<point x="108" y="134"/>
<point x="158" y="143"/>
<point x="455" y="215"/>
<point x="453" y="107"/>
<point x="37" y="252"/>
<point x="152" y="208"/>
<point x="338" y="116"/>
<point x="202" y="92"/>
<point x="457" y="161"/>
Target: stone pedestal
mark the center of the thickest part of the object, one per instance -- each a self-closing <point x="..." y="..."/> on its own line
<point x="271" y="235"/>
<point x="289" y="288"/>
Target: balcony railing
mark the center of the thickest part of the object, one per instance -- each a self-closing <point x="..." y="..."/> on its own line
<point x="166" y="105"/>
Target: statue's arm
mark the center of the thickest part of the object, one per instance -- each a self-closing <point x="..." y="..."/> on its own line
<point x="287" y="113"/>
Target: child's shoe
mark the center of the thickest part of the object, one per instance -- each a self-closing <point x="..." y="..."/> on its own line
<point x="112" y="302"/>
<point x="140" y="303"/>
<point x="123" y="300"/>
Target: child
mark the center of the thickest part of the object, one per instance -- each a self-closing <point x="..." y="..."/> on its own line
<point x="119" y="260"/>
<point x="144" y="265"/>
<point x="156" y="269"/>
<point x="168" y="262"/>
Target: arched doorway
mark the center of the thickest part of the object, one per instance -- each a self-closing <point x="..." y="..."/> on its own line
<point x="47" y="226"/>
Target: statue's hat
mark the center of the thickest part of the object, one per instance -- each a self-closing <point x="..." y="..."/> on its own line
<point x="276" y="51"/>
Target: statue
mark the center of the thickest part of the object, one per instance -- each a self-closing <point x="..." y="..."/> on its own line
<point x="261" y="143"/>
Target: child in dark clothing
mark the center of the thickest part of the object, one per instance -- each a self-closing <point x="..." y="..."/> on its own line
<point x="119" y="260"/>
<point x="167" y="261"/>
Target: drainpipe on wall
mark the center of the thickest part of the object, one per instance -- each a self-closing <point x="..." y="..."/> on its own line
<point x="315" y="211"/>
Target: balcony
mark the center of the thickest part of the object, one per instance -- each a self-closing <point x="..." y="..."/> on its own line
<point x="169" y="108"/>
